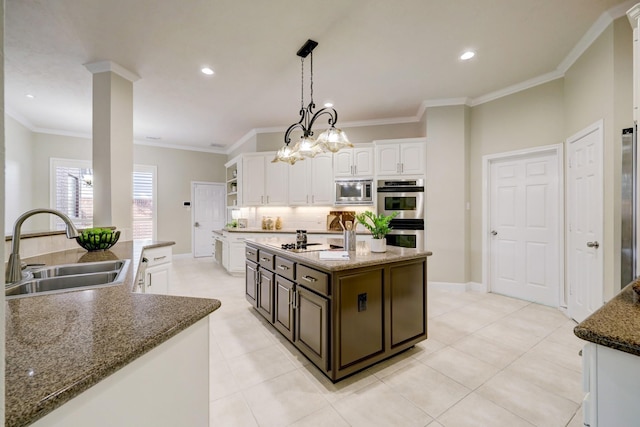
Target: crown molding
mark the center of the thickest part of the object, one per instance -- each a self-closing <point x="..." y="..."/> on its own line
<point x="180" y="147"/>
<point x="536" y="81"/>
<point x="239" y="143"/>
<point x="110" y="66"/>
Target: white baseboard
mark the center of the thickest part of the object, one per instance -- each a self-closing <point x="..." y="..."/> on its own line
<point x="457" y="287"/>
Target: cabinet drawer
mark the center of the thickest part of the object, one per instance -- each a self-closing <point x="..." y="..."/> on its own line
<point x="266" y="259"/>
<point x="251" y="253"/>
<point x="312" y="279"/>
<point x="285" y="268"/>
<point x="156" y="256"/>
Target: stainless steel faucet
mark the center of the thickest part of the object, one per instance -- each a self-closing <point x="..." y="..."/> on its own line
<point x="14" y="267"/>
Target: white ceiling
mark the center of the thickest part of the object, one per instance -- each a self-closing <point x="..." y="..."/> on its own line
<point x="376" y="59"/>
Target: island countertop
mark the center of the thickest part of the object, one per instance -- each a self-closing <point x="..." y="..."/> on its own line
<point x="361" y="257"/>
<point x="59" y="345"/>
<point x="616" y="324"/>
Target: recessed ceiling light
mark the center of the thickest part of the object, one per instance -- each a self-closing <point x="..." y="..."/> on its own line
<point x="208" y="71"/>
<point x="467" y="55"/>
<point x="30" y="96"/>
<point x="328" y="104"/>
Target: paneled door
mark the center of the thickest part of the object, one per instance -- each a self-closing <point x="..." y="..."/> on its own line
<point x="585" y="222"/>
<point x="524" y="227"/>
<point x="208" y="214"/>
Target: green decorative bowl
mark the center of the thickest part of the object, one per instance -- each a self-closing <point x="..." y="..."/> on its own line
<point x="98" y="239"/>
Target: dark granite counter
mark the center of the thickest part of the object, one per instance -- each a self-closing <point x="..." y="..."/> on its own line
<point x="60" y="345"/>
<point x="616" y="324"/>
<point x="361" y="257"/>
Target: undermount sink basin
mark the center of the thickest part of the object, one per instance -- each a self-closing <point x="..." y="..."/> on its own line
<point x="80" y="268"/>
<point x="69" y="277"/>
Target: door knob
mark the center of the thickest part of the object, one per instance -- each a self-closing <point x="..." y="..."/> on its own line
<point x="494" y="233"/>
<point x="197" y="224"/>
<point x="593" y="244"/>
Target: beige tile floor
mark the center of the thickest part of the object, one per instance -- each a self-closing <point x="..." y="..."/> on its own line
<point x="489" y="361"/>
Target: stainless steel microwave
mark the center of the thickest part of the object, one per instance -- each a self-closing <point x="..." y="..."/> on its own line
<point x="354" y="192"/>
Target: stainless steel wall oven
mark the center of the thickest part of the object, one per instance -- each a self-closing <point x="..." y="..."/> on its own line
<point x="405" y="196"/>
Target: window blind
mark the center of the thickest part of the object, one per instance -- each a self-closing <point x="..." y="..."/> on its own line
<point x="143" y="204"/>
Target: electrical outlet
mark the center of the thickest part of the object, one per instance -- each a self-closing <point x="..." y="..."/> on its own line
<point x="362" y="302"/>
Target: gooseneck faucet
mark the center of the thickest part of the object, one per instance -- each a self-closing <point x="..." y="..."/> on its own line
<point x="14" y="266"/>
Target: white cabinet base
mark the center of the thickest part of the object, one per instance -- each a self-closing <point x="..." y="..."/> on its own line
<point x="166" y="387"/>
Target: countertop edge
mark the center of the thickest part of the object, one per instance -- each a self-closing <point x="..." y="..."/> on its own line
<point x="31" y="408"/>
<point x="616" y="324"/>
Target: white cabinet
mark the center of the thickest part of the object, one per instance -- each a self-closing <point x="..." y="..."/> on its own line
<point x="611" y="382"/>
<point x="400" y="157"/>
<point x="634" y="18"/>
<point x="311" y="181"/>
<point x="157" y="274"/>
<point x="353" y="162"/>
<point x="233" y="171"/>
<point x="264" y="183"/>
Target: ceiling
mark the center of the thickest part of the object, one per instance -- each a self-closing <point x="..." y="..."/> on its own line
<point x="377" y="60"/>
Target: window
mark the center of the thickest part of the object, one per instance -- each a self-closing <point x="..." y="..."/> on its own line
<point x="72" y="193"/>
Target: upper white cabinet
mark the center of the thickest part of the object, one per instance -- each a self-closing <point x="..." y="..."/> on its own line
<point x="311" y="181"/>
<point x="400" y="157"/>
<point x="264" y="183"/>
<point x="634" y="18"/>
<point x="353" y="162"/>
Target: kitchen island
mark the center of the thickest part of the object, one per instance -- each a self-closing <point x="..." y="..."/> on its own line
<point x="80" y="349"/>
<point x="343" y="315"/>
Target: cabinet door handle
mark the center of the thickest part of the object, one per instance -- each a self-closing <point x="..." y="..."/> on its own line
<point x="313" y="199"/>
<point x="149" y="276"/>
<point x="267" y="199"/>
<point x="283" y="267"/>
<point x="159" y="257"/>
<point x="398" y="167"/>
<point x="264" y="259"/>
<point x="401" y="167"/>
<point x="250" y="253"/>
<point x="355" y="169"/>
<point x="310" y="279"/>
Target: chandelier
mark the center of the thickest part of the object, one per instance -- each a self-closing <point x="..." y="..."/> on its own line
<point x="333" y="139"/>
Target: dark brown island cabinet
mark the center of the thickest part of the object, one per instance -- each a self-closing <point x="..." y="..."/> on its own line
<point x="344" y="316"/>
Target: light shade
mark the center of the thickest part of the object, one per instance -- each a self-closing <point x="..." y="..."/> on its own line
<point x="287" y="154"/>
<point x="334" y="139"/>
<point x="307" y="147"/>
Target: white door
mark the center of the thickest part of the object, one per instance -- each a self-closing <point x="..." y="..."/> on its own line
<point x="208" y="215"/>
<point x="585" y="222"/>
<point x="524" y="228"/>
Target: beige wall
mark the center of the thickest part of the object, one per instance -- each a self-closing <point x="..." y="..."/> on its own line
<point x="176" y="170"/>
<point x="446" y="193"/>
<point x="362" y="134"/>
<point x="599" y="87"/>
<point x="531" y="118"/>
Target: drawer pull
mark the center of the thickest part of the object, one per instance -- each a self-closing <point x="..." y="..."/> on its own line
<point x="264" y="259"/>
<point x="310" y="279"/>
<point x="159" y="257"/>
<point x="283" y="267"/>
<point x="250" y="253"/>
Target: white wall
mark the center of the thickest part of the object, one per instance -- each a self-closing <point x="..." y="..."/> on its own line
<point x="19" y="166"/>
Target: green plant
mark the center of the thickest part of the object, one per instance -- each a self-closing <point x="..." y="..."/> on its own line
<point x="233" y="224"/>
<point x="378" y="225"/>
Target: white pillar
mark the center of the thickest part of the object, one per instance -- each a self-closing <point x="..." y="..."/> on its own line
<point x="112" y="146"/>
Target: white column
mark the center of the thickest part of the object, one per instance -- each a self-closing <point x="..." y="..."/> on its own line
<point x="112" y="146"/>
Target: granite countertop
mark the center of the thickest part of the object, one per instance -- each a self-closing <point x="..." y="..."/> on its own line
<point x="616" y="324"/>
<point x="60" y="345"/>
<point x="361" y="257"/>
<point x="285" y="231"/>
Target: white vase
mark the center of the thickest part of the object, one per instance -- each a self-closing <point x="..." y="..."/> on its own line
<point x="378" y="245"/>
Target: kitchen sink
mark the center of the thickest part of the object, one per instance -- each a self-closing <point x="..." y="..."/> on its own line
<point x="69" y="277"/>
<point x="80" y="268"/>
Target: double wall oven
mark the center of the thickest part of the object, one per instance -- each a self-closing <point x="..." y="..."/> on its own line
<point x="405" y="196"/>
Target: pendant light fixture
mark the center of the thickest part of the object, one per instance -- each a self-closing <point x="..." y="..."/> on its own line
<point x="333" y="139"/>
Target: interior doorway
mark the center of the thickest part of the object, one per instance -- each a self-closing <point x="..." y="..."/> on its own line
<point x="585" y="260"/>
<point x="208" y="214"/>
<point x="523" y="230"/>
